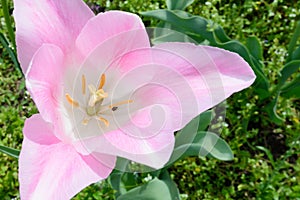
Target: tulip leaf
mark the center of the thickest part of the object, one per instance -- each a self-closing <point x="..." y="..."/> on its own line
<point x="178" y="4"/>
<point x="11" y="53"/>
<point x="293" y="41"/>
<point x="291" y="89"/>
<point x="8" y="22"/>
<point x="10" y="151"/>
<point x="165" y="176"/>
<point x="166" y="33"/>
<point x="255" y="47"/>
<point x="155" y="190"/>
<point x="187" y="135"/>
<point x="288" y="69"/>
<point x="204" y="144"/>
<point x="116" y="183"/>
<point x="296" y="54"/>
<point x="271" y="109"/>
<point x="209" y="144"/>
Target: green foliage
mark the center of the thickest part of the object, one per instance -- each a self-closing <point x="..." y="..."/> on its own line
<point x="178" y="5"/>
<point x="266" y="163"/>
<point x="154" y="189"/>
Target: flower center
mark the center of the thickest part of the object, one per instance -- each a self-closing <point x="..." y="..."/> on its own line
<point x="93" y="108"/>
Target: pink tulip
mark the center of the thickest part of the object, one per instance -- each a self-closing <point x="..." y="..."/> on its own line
<point x="103" y="92"/>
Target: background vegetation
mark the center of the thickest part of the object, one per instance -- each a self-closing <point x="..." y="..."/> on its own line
<point x="266" y="163"/>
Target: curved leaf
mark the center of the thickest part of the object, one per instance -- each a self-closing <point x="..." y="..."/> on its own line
<point x="293" y="41"/>
<point x="154" y="190"/>
<point x="254" y="47"/>
<point x="288" y="69"/>
<point x="178" y="4"/>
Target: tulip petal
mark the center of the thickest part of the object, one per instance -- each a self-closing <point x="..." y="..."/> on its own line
<point x="54" y="21"/>
<point x="189" y="79"/>
<point x="147" y="139"/>
<point x="55" y="171"/>
<point x="128" y="28"/>
<point x="45" y="84"/>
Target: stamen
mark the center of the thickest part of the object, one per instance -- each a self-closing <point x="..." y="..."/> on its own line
<point x="71" y="101"/>
<point x="83" y="84"/>
<point x="105" y="121"/>
<point x="102" y="81"/>
<point x="85" y="121"/>
<point x="120" y="103"/>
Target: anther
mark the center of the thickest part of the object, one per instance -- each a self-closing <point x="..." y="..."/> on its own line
<point x="105" y="121"/>
<point x="102" y="81"/>
<point x="85" y="121"/>
<point x="83" y="84"/>
<point x="71" y="101"/>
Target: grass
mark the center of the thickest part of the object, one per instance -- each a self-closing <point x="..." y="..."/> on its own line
<point x="266" y="163"/>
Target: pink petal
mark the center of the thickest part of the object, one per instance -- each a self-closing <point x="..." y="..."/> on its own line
<point x="45" y="136"/>
<point x="44" y="80"/>
<point x="54" y="21"/>
<point x="128" y="29"/>
<point x="189" y="79"/>
<point x="235" y="72"/>
<point x="148" y="139"/>
<point x="55" y="171"/>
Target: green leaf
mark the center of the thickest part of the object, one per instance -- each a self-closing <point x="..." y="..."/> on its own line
<point x="293" y="41"/>
<point x="288" y="69"/>
<point x="187" y="135"/>
<point x="205" y="144"/>
<point x="268" y="153"/>
<point x="291" y="89"/>
<point x="154" y="190"/>
<point x="165" y="33"/>
<point x="11" y="53"/>
<point x="115" y="180"/>
<point x="165" y="176"/>
<point x="296" y="54"/>
<point x="209" y="143"/>
<point x="254" y="47"/>
<point x="271" y="109"/>
<point x="129" y="180"/>
<point x="178" y="4"/>
<point x="10" y="151"/>
<point x="8" y="22"/>
<point x="204" y="120"/>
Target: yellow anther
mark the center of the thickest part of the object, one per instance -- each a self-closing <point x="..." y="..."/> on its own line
<point x="105" y="121"/>
<point x="102" y="81"/>
<point x="85" y="121"/>
<point x="83" y="84"/>
<point x="120" y="103"/>
<point x="71" y="101"/>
